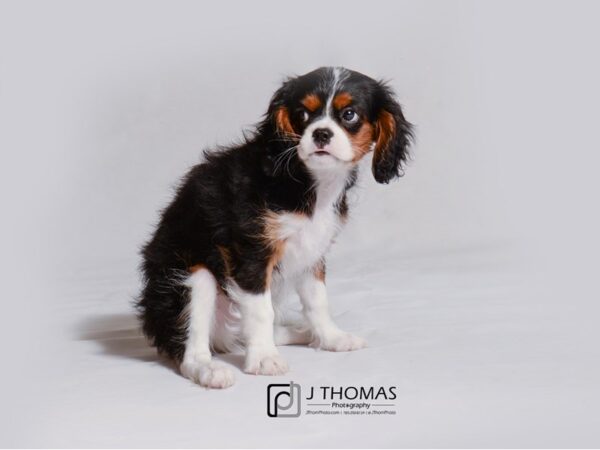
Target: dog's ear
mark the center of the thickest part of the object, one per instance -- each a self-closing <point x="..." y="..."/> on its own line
<point x="393" y="135"/>
<point x="277" y="119"/>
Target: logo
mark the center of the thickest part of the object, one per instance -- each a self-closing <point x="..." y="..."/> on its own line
<point x="283" y="400"/>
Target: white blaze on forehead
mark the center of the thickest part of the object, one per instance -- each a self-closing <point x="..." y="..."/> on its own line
<point x="339" y="75"/>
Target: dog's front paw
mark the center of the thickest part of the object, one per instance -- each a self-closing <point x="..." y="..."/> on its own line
<point x="261" y="363"/>
<point x="210" y="374"/>
<point x="341" y="342"/>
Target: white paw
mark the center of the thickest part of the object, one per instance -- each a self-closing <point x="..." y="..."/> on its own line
<point x="208" y="374"/>
<point x="261" y="364"/>
<point x="342" y="342"/>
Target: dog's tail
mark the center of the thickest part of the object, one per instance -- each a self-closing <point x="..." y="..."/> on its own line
<point x="162" y="307"/>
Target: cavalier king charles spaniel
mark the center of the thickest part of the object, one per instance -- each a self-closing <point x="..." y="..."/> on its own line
<point x="253" y="223"/>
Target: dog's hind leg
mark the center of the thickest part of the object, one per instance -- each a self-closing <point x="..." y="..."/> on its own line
<point x="197" y="364"/>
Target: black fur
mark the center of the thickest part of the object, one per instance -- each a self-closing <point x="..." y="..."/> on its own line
<point x="221" y="203"/>
<point x="389" y="164"/>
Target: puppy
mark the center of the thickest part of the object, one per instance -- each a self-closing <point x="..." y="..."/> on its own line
<point x="254" y="221"/>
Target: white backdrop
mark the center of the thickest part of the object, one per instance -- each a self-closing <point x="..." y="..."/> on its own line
<point x="480" y="300"/>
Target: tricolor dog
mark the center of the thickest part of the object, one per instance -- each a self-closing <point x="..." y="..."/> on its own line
<point x="252" y="224"/>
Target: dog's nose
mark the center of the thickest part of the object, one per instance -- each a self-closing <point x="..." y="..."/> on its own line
<point x="322" y="136"/>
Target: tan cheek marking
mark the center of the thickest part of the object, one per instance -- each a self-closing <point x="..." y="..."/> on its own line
<point x="342" y="100"/>
<point x="361" y="141"/>
<point x="311" y="102"/>
<point x="282" y="119"/>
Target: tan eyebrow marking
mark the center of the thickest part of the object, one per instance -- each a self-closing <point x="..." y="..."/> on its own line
<point x="311" y="102"/>
<point x="342" y="100"/>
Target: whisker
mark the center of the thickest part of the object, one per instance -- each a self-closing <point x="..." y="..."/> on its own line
<point x="279" y="160"/>
<point x="288" y="134"/>
<point x="287" y="167"/>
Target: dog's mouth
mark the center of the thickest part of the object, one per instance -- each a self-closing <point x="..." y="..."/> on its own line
<point x="320" y="155"/>
<point x="324" y="156"/>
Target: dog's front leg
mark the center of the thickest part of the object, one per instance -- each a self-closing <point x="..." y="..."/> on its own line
<point x="262" y="356"/>
<point x="313" y="295"/>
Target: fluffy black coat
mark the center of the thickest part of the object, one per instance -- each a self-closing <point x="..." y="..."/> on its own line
<point x="216" y="216"/>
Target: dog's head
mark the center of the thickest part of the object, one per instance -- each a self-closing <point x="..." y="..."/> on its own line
<point x="333" y="117"/>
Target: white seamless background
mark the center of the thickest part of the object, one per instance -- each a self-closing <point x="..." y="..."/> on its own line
<point x="474" y="277"/>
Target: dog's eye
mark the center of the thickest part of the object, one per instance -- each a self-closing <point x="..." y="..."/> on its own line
<point x="349" y="116"/>
<point x="305" y="116"/>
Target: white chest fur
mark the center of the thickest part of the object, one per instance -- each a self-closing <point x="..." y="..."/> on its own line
<point x="307" y="238"/>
